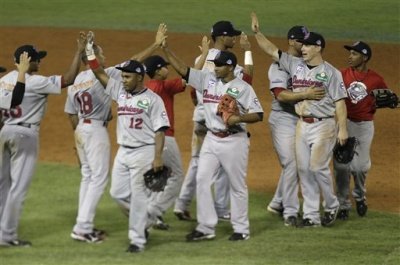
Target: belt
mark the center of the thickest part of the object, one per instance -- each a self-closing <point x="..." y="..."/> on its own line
<point x="224" y="134"/>
<point x="313" y="119"/>
<point x="89" y="121"/>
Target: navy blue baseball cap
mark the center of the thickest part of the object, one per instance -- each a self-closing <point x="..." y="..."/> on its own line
<point x="224" y="28"/>
<point x="360" y="47"/>
<point x="32" y="52"/>
<point x="132" y="66"/>
<point x="297" y="33"/>
<point x="225" y="58"/>
<point x="153" y="63"/>
<point x="313" y="38"/>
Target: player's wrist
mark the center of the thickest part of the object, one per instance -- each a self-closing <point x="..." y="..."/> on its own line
<point x="248" y="58"/>
<point x="93" y="63"/>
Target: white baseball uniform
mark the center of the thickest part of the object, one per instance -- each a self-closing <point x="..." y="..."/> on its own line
<point x="140" y="115"/>
<point x="221" y="184"/>
<point x="19" y="145"/>
<point x="6" y="90"/>
<point x="316" y="132"/>
<point x="87" y="99"/>
<point x="282" y="122"/>
<point x="230" y="152"/>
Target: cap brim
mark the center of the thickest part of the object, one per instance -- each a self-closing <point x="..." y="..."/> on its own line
<point x="306" y="42"/>
<point x="42" y="54"/>
<point x="236" y="33"/>
<point x="2" y="69"/>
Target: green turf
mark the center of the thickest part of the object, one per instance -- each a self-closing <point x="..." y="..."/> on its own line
<point x="50" y="210"/>
<point x="369" y="20"/>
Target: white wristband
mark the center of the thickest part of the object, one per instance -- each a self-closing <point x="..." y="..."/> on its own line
<point x="91" y="57"/>
<point x="248" y="58"/>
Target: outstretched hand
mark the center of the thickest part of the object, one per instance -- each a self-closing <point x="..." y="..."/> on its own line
<point x="205" y="45"/>
<point x="244" y="42"/>
<point x="255" y="27"/>
<point x="161" y="34"/>
<point x="24" y="63"/>
<point x="81" y="41"/>
<point x="89" y="44"/>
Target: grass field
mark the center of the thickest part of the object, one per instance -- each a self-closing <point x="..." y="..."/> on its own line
<point x="50" y="208"/>
<point x="50" y="211"/>
<point x="369" y="20"/>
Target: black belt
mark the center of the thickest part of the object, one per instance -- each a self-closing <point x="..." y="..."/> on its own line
<point x="224" y="134"/>
<point x="134" y="147"/>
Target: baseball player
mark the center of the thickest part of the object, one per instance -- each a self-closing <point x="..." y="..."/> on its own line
<point x="142" y="122"/>
<point x="316" y="128"/>
<point x="157" y="70"/>
<point x="20" y="134"/>
<point x="282" y="122"/>
<point x="11" y="96"/>
<point x="89" y="109"/>
<point x="360" y="81"/>
<point x="225" y="146"/>
<point x="224" y="37"/>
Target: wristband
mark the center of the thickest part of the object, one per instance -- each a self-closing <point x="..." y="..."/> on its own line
<point x="94" y="64"/>
<point x="248" y="58"/>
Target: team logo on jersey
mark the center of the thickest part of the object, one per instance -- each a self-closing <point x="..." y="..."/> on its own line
<point x="357" y="91"/>
<point x="322" y="77"/>
<point x="143" y="103"/>
<point x="164" y="115"/>
<point x="232" y="91"/>
<point x="256" y="102"/>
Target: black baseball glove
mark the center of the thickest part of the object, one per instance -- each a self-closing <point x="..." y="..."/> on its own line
<point x="345" y="153"/>
<point x="385" y="98"/>
<point x="156" y="181"/>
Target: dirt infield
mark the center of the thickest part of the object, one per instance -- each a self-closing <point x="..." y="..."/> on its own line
<point x="56" y="138"/>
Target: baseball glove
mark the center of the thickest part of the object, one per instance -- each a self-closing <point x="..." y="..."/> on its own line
<point x="345" y="153"/>
<point x="227" y="107"/>
<point x="385" y="98"/>
<point x="156" y="181"/>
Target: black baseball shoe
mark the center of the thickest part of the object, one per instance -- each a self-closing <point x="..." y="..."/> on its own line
<point x="274" y="210"/>
<point x="329" y="217"/>
<point x="160" y="224"/>
<point x="362" y="207"/>
<point x="291" y="221"/>
<point x="134" y="249"/>
<point x="343" y="214"/>
<point x="88" y="238"/>
<point x="197" y="236"/>
<point x="15" y="243"/>
<point x="239" y="236"/>
<point x="307" y="222"/>
<point x="183" y="215"/>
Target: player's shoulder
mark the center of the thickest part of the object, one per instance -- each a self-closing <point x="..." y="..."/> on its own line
<point x="33" y="81"/>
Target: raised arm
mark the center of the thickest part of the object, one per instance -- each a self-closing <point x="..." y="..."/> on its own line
<point x="160" y="37"/>
<point x="177" y="63"/>
<point x="69" y="76"/>
<point x="267" y="46"/>
<point x="97" y="69"/>
<point x="204" y="48"/>
<point x="19" y="88"/>
<point x="248" y="57"/>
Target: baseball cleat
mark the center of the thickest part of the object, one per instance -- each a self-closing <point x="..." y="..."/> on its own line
<point x="225" y="217"/>
<point x="239" y="236"/>
<point x="134" y="249"/>
<point x="197" y="236"/>
<point x="160" y="224"/>
<point x="183" y="215"/>
<point x="88" y="238"/>
<point x="343" y="214"/>
<point x="362" y="207"/>
<point x="273" y="210"/>
<point x="306" y="223"/>
<point x="15" y="243"/>
<point x="329" y="217"/>
<point x="291" y="221"/>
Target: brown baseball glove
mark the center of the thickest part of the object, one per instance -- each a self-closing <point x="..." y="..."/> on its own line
<point x="227" y="107"/>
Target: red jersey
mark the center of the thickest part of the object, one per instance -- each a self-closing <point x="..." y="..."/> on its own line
<point x="166" y="89"/>
<point x="359" y="85"/>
